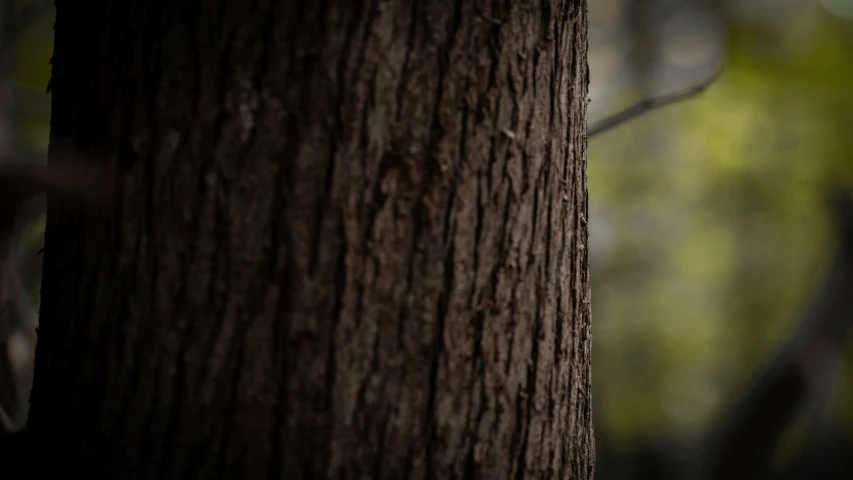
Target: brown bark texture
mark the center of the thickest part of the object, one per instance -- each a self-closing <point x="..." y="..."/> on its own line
<point x="348" y="240"/>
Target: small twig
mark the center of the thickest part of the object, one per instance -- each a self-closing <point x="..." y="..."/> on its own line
<point x="651" y="103"/>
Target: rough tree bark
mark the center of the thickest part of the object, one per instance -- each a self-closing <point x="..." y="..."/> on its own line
<point x="347" y="241"/>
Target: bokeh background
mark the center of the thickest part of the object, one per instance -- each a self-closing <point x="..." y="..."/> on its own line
<point x="26" y="45"/>
<point x="709" y="228"/>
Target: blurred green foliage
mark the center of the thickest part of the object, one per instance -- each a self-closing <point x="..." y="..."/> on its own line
<point x="719" y="226"/>
<point x="31" y="71"/>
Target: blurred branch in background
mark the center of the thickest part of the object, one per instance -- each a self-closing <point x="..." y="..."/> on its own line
<point x="743" y="446"/>
<point x="648" y="104"/>
<point x="17" y="20"/>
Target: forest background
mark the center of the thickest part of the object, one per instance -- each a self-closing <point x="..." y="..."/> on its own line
<point x="709" y="229"/>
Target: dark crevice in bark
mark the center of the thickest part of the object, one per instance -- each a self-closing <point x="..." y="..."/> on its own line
<point x="409" y="48"/>
<point x="209" y="195"/>
<point x="187" y="336"/>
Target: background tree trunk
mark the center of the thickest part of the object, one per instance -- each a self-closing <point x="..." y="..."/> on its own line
<point x="348" y="241"/>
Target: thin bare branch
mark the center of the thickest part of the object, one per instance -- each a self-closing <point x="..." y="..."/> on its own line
<point x="651" y="103"/>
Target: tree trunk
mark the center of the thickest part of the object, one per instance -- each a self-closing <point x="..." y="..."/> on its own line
<point x="348" y="240"/>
